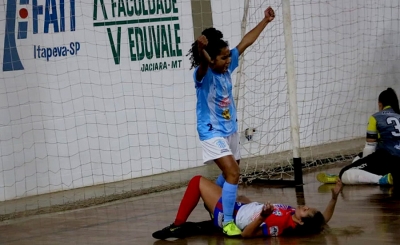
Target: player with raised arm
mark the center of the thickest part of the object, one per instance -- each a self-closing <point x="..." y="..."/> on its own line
<point x="214" y="64"/>
<point x="254" y="219"/>
<point x="380" y="162"/>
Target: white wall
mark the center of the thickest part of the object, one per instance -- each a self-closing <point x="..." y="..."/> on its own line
<point x="81" y="120"/>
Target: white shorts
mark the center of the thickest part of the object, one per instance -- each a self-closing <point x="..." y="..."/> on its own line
<point x="218" y="147"/>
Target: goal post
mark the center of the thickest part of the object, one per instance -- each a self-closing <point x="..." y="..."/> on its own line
<point x="292" y="91"/>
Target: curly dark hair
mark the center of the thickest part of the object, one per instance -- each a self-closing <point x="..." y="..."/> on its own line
<point x="312" y="225"/>
<point x="215" y="44"/>
<point x="389" y="98"/>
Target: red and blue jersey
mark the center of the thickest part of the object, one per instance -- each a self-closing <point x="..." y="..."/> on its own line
<point x="274" y="224"/>
<point x="279" y="220"/>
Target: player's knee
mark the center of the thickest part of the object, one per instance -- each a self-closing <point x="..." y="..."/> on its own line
<point x="195" y="180"/>
<point x="233" y="174"/>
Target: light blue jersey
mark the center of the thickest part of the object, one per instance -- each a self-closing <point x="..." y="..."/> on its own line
<point x="215" y="109"/>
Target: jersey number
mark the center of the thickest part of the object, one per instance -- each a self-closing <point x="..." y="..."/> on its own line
<point x="395" y="121"/>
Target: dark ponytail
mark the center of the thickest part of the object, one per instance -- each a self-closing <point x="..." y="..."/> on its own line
<point x="215" y="44"/>
<point x="388" y="97"/>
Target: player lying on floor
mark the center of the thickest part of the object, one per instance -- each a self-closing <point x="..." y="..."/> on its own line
<point x="379" y="162"/>
<point x="254" y="219"/>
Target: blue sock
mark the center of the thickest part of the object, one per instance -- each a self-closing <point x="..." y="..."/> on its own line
<point x="220" y="181"/>
<point x="228" y="200"/>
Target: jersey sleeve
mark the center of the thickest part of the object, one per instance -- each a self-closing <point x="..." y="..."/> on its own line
<point x="264" y="229"/>
<point x="206" y="77"/>
<point x="234" y="60"/>
<point x="275" y="229"/>
<point x="372" y="131"/>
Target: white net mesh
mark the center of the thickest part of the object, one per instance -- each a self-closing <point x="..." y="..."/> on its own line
<point x="93" y="92"/>
<point x="345" y="55"/>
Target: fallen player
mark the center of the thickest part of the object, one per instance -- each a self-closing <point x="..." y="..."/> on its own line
<point x="254" y="219"/>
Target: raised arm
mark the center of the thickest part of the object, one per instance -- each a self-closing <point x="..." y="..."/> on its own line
<point x="253" y="229"/>
<point x="202" y="43"/>
<point x="332" y="203"/>
<point x="252" y="35"/>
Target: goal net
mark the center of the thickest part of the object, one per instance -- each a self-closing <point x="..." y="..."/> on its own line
<point x="98" y="94"/>
<point x="345" y="55"/>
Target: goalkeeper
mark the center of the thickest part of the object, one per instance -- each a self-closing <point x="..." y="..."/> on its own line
<point x="379" y="163"/>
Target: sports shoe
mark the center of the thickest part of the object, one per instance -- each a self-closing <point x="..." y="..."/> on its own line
<point x="386" y="180"/>
<point x="205" y="228"/>
<point x="169" y="231"/>
<point x="231" y="229"/>
<point x="184" y="230"/>
<point x="327" y="178"/>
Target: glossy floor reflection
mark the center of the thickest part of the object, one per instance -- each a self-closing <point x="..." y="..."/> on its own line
<point x="364" y="215"/>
